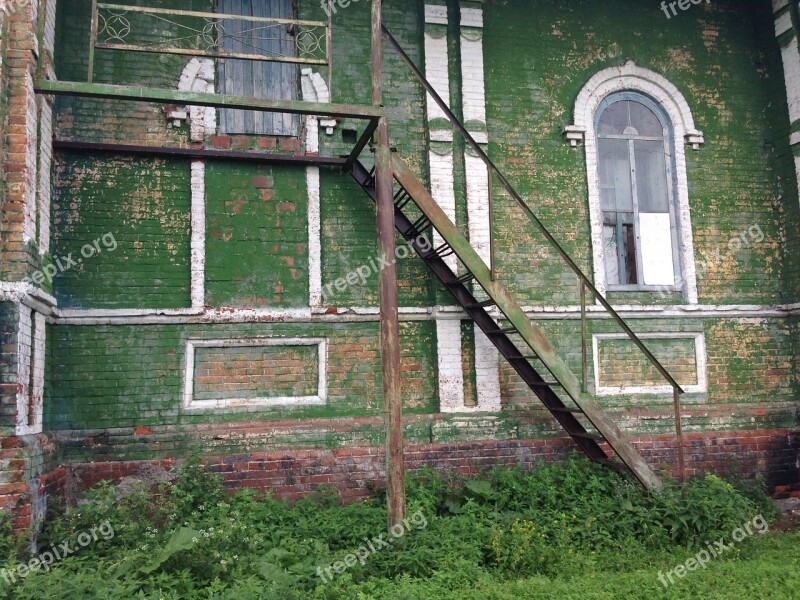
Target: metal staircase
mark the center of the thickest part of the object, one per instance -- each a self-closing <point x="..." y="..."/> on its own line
<point x="518" y="340"/>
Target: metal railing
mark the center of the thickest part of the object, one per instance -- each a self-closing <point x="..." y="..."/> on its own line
<point x="194" y="33"/>
<point x="585" y="283"/>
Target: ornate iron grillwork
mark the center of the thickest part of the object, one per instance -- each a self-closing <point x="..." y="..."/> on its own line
<point x="119" y="27"/>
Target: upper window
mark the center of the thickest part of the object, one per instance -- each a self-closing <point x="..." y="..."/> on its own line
<point x="258" y="79"/>
<point x="635" y="176"/>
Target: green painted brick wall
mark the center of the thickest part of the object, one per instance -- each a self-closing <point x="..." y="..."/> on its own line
<point x="539" y="54"/>
<point x="257" y="236"/>
<point x="117" y="376"/>
<point x="138" y="209"/>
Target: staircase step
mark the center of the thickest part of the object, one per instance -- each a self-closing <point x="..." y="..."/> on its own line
<point x="505" y="330"/>
<point x="588" y="436"/>
<point x="401" y="198"/>
<point x="442" y="251"/>
<point x="484" y="304"/>
<point x="566" y="409"/>
<point x="462" y="280"/>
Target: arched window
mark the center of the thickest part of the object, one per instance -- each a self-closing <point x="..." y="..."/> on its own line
<point x="636" y="126"/>
<point x="635" y="176"/>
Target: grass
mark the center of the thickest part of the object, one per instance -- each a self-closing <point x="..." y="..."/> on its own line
<point x="567" y="530"/>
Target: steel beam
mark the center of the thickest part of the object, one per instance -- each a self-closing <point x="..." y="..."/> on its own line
<point x="201" y="153"/>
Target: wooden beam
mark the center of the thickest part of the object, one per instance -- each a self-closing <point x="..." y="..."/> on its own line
<point x="389" y="318"/>
<point x="143" y="94"/>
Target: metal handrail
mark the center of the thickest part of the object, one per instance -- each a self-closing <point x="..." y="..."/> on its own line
<point x="584" y="279"/>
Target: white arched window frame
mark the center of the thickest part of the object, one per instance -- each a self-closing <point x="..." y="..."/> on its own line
<point x="631" y="78"/>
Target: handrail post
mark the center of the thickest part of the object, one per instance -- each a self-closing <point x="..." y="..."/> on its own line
<point x="584" y="336"/>
<point x="92" y="42"/>
<point x="676" y="396"/>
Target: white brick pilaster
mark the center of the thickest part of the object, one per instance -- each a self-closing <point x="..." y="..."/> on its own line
<point x="487" y="359"/>
<point x="440" y="158"/>
<point x="30" y="371"/>
<point x="451" y="371"/>
<point x="198" y="241"/>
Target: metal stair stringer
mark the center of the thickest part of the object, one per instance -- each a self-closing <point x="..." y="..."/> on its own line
<point x="531" y="334"/>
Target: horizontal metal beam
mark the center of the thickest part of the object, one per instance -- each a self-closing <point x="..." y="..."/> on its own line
<point x="144" y="94"/>
<point x="196" y="52"/>
<point x="200" y="153"/>
<point x="208" y="15"/>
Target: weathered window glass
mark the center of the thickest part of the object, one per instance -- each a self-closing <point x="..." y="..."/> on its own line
<point x="636" y="191"/>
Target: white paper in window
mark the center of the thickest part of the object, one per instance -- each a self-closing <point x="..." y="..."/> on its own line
<point x="657" y="264"/>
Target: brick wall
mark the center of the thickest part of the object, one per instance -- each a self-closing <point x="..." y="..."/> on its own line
<point x="115" y="380"/>
<point x="291" y="474"/>
<point x="124" y="223"/>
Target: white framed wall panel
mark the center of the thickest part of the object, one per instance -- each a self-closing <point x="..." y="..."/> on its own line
<point x="701" y="362"/>
<point x="320" y="398"/>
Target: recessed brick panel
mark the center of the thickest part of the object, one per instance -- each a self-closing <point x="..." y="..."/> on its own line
<point x="256" y="372"/>
<point x="244" y="372"/>
<point x="622" y="364"/>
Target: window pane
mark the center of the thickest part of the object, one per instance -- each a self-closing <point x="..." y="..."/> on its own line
<point x="619" y="248"/>
<point x="629" y="257"/>
<point x="645" y="121"/>
<point x="614" y="167"/>
<point x="651" y="176"/>
<point x="610" y="254"/>
<point x="614" y="119"/>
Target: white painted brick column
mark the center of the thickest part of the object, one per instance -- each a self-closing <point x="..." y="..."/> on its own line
<point x="487" y="358"/>
<point x="314" y="237"/>
<point x="314" y="89"/>
<point x="45" y="107"/>
<point x="198" y="234"/>
<point x="30" y="371"/>
<point x="451" y="370"/>
<point x="440" y="157"/>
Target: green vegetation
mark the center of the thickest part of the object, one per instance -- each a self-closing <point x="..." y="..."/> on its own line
<point x="569" y="530"/>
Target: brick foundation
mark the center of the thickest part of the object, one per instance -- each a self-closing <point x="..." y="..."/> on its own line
<point x="292" y="474"/>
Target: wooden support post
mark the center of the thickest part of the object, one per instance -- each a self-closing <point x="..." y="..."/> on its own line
<point x="584" y="341"/>
<point x="679" y="435"/>
<point x="390" y="326"/>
